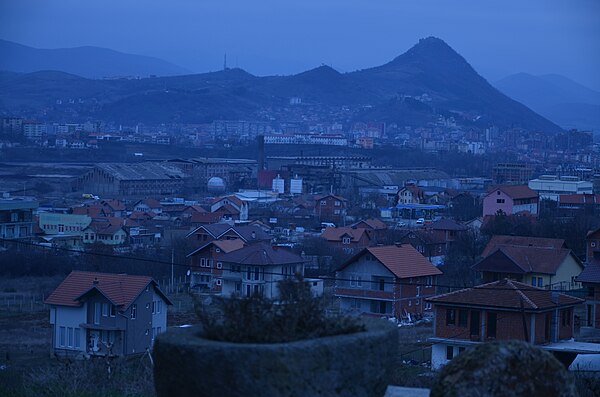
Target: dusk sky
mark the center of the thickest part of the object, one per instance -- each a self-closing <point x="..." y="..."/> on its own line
<point x="283" y="37"/>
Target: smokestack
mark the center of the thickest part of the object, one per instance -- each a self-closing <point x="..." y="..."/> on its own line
<point x="261" y="152"/>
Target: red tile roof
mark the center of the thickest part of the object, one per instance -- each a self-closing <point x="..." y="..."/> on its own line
<point x="581" y="199"/>
<point x="121" y="289"/>
<point x="375" y="224"/>
<point x="506" y="294"/>
<point x="262" y="254"/>
<point x="515" y="192"/>
<point x="322" y="196"/>
<point x="527" y="259"/>
<point x="522" y="241"/>
<point x="225" y="245"/>
<point x="404" y="261"/>
<point x="337" y="233"/>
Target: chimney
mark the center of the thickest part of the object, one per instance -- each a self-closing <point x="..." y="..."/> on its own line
<point x="253" y="234"/>
<point x="398" y="244"/>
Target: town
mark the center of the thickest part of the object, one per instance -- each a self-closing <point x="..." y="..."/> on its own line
<point x="300" y="199"/>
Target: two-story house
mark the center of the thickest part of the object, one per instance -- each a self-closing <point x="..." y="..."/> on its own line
<point x="106" y="314"/>
<point x="148" y="205"/>
<point x="233" y="205"/>
<point x="109" y="231"/>
<point x="431" y="245"/>
<point x="510" y="200"/>
<point x="411" y="194"/>
<point x="535" y="261"/>
<point x="592" y="244"/>
<point x="16" y="217"/>
<point x="256" y="269"/>
<point x="205" y="264"/>
<point x="377" y="226"/>
<point x="224" y="231"/>
<point x="386" y="280"/>
<point x="590" y="279"/>
<point x="501" y="310"/>
<point x="349" y="240"/>
<point x="330" y="208"/>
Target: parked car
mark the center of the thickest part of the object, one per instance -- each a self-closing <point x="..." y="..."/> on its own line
<point x="420" y="221"/>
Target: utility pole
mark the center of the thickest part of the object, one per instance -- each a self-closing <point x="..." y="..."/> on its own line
<point x="172" y="267"/>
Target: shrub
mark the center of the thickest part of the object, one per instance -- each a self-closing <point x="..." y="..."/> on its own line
<point x="295" y="316"/>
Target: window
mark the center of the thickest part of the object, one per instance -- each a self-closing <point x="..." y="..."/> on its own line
<point x="219" y="281"/>
<point x="323" y="202"/>
<point x="462" y="318"/>
<point x="491" y="325"/>
<point x="540" y="282"/>
<point x="61" y="336"/>
<point x="134" y="311"/>
<point x="450" y="316"/>
<point x="337" y="203"/>
<point x="418" y="291"/>
<point x="449" y="352"/>
<point x="409" y="303"/>
<point x="97" y="309"/>
<point x="256" y="273"/>
<point x="461" y="349"/>
<point x="427" y="306"/>
<point x="113" y="310"/>
<point x="533" y="281"/>
<point x="500" y="201"/>
<point x="219" y="265"/>
<point x="77" y="342"/>
<point x="346" y="240"/>
<point x="105" y="310"/>
<point x="70" y="337"/>
<point x="429" y="281"/>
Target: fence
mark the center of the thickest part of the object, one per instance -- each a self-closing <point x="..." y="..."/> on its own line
<point x="21" y="303"/>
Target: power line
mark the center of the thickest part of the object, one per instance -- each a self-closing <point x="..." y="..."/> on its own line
<point x="233" y="270"/>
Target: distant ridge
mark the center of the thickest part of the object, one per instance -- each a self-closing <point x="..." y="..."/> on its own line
<point x="560" y="99"/>
<point x="90" y="62"/>
<point x="427" y="81"/>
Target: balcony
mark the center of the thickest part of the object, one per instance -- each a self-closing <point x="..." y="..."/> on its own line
<point x="364" y="293"/>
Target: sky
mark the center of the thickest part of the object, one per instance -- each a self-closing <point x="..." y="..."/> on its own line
<point x="268" y="37"/>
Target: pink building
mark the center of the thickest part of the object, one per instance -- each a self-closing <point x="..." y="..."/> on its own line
<point x="510" y="200"/>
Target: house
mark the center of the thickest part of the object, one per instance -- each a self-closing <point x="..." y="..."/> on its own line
<point x="240" y="206"/>
<point x="64" y="224"/>
<point x="378" y="227"/>
<point x="106" y="314"/>
<point x="592" y="244"/>
<point x="224" y="231"/>
<point x="510" y="200"/>
<point x="16" y="217"/>
<point x="501" y="310"/>
<point x="108" y="231"/>
<point x="411" y="194"/>
<point x="205" y="265"/>
<point x="330" y="208"/>
<point x="571" y="205"/>
<point x="590" y="279"/>
<point x="349" y="240"/>
<point x="447" y="229"/>
<point x="386" y="280"/>
<point x="148" y="205"/>
<point x="256" y="269"/>
<point x="522" y="241"/>
<point x="542" y="263"/>
<point x="431" y="245"/>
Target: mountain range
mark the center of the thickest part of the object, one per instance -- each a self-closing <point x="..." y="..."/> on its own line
<point x="428" y="81"/>
<point x="558" y="98"/>
<point x="90" y="62"/>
